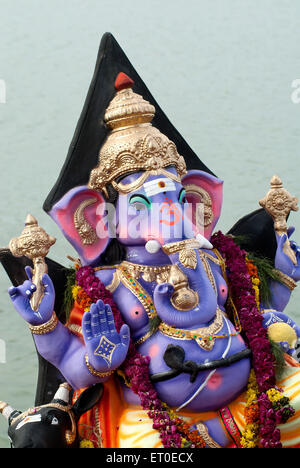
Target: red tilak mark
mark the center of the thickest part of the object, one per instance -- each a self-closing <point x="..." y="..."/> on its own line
<point x="171" y="209"/>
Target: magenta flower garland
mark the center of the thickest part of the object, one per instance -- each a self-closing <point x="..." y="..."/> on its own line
<point x="251" y="320"/>
<point x="136" y="370"/>
<point x="173" y="431"/>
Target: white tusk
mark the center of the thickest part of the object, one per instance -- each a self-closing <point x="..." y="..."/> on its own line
<point x="6" y="410"/>
<point x="204" y="243"/>
<point x="63" y="392"/>
<point x="152" y="246"/>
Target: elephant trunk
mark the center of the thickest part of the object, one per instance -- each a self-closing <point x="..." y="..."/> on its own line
<point x="188" y="299"/>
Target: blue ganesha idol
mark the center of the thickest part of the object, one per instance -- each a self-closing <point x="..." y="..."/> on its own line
<point x="183" y="326"/>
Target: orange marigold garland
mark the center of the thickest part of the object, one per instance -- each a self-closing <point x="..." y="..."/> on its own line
<point x="82" y="299"/>
<point x="189" y="437"/>
<point x="252" y="270"/>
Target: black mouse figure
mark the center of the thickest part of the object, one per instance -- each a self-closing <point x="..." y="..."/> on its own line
<point x="53" y="425"/>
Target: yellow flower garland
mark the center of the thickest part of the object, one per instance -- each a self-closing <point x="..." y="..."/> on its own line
<point x="252" y="269"/>
<point x="86" y="444"/>
<point x="250" y="435"/>
<point x="81" y="298"/>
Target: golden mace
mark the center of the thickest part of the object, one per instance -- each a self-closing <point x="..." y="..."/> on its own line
<point x="33" y="243"/>
<point x="279" y="203"/>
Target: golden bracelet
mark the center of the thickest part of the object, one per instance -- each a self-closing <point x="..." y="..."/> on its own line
<point x="287" y="281"/>
<point x="45" y="327"/>
<point x="93" y="371"/>
<point x="174" y="247"/>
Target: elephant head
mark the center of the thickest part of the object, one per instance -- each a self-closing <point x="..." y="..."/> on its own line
<point x="162" y="209"/>
<point x="53" y="425"/>
<point x="138" y="191"/>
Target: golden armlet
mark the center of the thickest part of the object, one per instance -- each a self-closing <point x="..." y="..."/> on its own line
<point x="287" y="281"/>
<point x="45" y="327"/>
<point x="93" y="371"/>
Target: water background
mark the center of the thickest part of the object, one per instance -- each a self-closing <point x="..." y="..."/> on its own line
<point x="222" y="71"/>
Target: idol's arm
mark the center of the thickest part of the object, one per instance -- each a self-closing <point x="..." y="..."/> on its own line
<point x="290" y="272"/>
<point x="82" y="363"/>
<point x="67" y="353"/>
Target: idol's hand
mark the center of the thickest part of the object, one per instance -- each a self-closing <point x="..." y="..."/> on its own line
<point x="21" y="295"/>
<point x="106" y="348"/>
<point x="282" y="261"/>
<point x="288" y="333"/>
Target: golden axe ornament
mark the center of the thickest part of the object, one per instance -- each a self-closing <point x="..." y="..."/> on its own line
<point x="279" y="203"/>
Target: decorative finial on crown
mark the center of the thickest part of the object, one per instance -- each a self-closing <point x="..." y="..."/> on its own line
<point x="127" y="108"/>
<point x="123" y="82"/>
<point x="133" y="143"/>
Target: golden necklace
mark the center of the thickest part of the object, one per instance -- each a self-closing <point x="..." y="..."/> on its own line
<point x="205" y="337"/>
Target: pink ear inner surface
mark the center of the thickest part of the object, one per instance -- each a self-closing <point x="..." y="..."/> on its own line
<point x="205" y="193"/>
<point x="79" y="215"/>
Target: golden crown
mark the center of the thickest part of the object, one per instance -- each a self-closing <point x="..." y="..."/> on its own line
<point x="133" y="145"/>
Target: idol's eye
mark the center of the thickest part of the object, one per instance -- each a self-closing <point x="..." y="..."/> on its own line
<point x="50" y="418"/>
<point x="140" y="202"/>
<point x="182" y="196"/>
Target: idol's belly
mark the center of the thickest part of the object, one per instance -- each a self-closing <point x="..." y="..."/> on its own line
<point x="212" y="389"/>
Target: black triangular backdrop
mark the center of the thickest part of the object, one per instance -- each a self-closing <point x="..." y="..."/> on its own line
<point x="82" y="158"/>
<point x="91" y="131"/>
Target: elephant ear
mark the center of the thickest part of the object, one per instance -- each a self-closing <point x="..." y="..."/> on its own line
<point x="204" y="192"/>
<point x="79" y="215"/>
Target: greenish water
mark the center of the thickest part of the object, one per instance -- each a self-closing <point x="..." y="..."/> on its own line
<point x="222" y="71"/>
